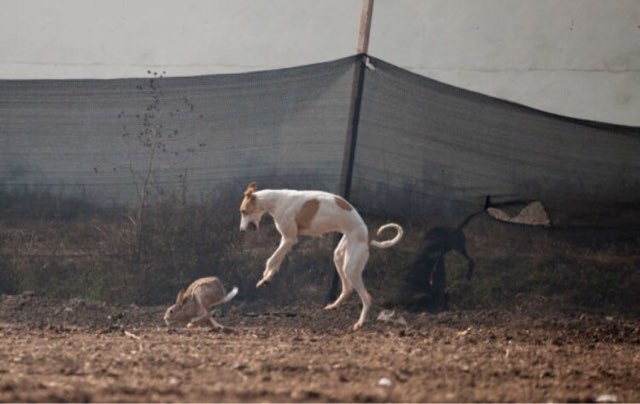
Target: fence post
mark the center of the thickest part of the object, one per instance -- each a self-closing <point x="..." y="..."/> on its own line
<point x="365" y="26"/>
<point x="352" y="127"/>
<point x="357" y="86"/>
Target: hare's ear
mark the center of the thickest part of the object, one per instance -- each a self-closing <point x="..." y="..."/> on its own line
<point x="251" y="188"/>
<point x="180" y="296"/>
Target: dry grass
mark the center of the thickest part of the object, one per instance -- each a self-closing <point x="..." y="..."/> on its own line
<point x="82" y="251"/>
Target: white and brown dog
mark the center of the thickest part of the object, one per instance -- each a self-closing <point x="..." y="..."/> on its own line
<point x="313" y="213"/>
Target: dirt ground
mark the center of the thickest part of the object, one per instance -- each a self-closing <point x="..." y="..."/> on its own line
<point x="76" y="350"/>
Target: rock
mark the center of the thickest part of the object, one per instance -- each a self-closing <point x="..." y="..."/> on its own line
<point x="385" y="382"/>
<point x="389" y="316"/>
<point x="607" y="398"/>
<point x="386" y="315"/>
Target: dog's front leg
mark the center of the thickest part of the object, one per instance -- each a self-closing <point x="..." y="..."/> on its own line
<point x="274" y="262"/>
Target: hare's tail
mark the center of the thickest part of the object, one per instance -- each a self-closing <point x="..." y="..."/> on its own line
<point x="230" y="295"/>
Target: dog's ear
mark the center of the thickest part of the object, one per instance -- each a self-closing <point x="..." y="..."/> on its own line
<point x="251" y="188"/>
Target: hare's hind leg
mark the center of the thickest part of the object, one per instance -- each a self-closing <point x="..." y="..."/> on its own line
<point x="205" y="314"/>
<point x="215" y="323"/>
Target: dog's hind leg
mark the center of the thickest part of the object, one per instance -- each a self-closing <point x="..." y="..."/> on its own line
<point x="470" y="262"/>
<point x="438" y="283"/>
<point x="355" y="261"/>
<point x="339" y="261"/>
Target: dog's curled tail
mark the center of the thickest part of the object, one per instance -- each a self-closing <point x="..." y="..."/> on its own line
<point x="230" y="295"/>
<point x="393" y="241"/>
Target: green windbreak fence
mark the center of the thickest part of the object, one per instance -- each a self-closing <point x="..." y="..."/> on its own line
<point x="426" y="154"/>
<point x="428" y="147"/>
<point x="423" y="147"/>
<point x="99" y="139"/>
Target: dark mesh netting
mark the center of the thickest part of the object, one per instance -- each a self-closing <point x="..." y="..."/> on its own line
<point x="422" y="147"/>
<point x="528" y="202"/>
<point x="565" y="193"/>
<point x="100" y="138"/>
<point x="426" y="147"/>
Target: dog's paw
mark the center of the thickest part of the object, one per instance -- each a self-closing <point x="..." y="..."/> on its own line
<point x="262" y="283"/>
<point x="357" y="326"/>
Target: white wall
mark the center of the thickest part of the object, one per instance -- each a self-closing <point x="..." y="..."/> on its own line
<point x="124" y="38"/>
<point x="573" y="57"/>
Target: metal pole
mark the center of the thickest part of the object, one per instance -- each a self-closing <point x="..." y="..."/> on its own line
<point x="354" y="116"/>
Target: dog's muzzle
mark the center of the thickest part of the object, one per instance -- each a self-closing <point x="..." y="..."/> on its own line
<point x="246" y="227"/>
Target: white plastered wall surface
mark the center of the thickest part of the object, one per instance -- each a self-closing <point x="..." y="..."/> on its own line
<point x="579" y="58"/>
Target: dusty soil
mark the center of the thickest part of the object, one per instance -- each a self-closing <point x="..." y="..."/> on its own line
<point x="75" y="350"/>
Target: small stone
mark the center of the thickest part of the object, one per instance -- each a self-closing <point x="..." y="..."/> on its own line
<point x="385" y="382"/>
<point x="607" y="398"/>
<point x="386" y="315"/>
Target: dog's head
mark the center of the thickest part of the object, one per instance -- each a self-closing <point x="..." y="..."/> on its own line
<point x="250" y="212"/>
